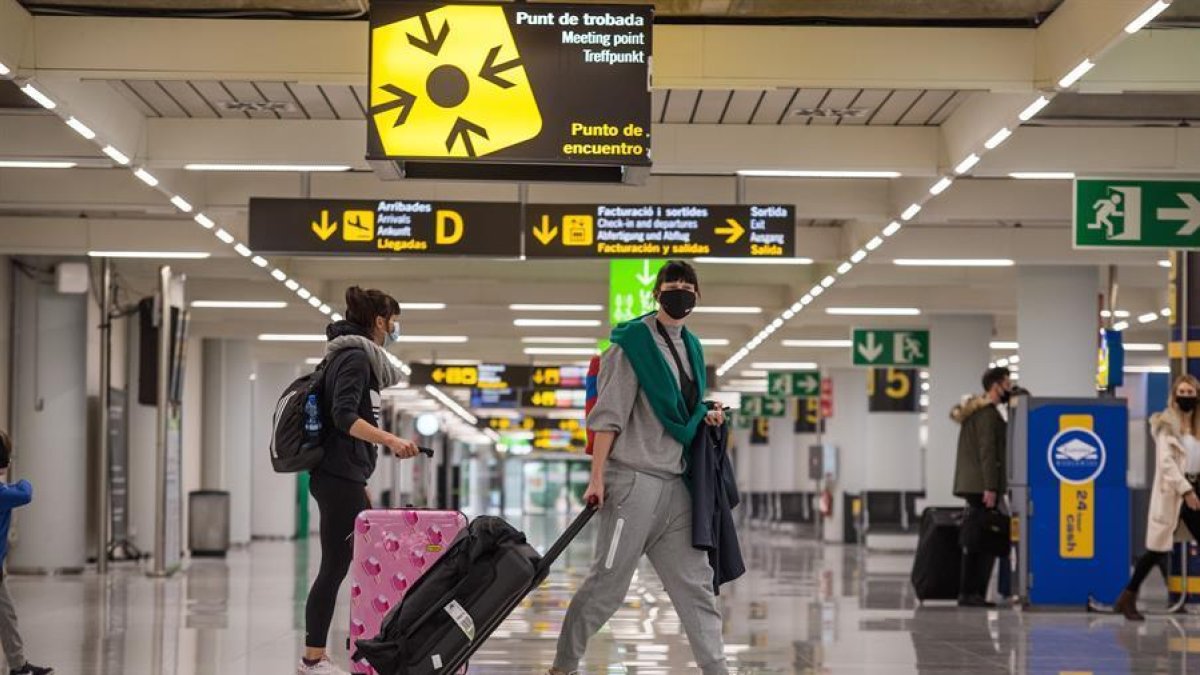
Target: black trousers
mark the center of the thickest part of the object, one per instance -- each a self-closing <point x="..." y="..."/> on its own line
<point x="976" y="567"/>
<point x="1152" y="559"/>
<point x="339" y="501"/>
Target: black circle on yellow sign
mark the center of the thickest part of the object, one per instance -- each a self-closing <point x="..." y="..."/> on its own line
<point x="447" y="86"/>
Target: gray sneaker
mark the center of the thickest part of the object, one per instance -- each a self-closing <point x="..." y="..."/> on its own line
<point x="322" y="667"/>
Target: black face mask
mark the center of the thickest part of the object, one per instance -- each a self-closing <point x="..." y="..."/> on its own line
<point x="1186" y="403"/>
<point x="1005" y="395"/>
<point x="677" y="303"/>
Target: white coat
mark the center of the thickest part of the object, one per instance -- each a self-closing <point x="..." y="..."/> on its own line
<point x="1170" y="484"/>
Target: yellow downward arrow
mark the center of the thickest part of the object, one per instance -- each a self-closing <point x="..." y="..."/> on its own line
<point x="324" y="229"/>
<point x="544" y="232"/>
<point x="733" y="232"/>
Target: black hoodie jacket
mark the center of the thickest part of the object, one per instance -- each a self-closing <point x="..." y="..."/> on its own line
<point x="350" y="392"/>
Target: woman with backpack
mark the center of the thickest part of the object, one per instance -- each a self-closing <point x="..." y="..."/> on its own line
<point x="356" y="368"/>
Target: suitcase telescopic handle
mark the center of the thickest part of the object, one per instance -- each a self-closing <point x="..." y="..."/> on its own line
<point x="567" y="537"/>
<point x="428" y="452"/>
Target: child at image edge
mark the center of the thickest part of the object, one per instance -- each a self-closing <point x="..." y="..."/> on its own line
<point x="11" y="496"/>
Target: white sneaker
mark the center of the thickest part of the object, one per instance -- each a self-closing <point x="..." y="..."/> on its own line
<point x="324" y="667"/>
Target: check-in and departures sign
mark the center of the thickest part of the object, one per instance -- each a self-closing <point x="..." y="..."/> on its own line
<point x="908" y="348"/>
<point x="384" y="227"/>
<point x="1113" y="213"/>
<point x="659" y="230"/>
<point x="510" y="83"/>
<point x="802" y="383"/>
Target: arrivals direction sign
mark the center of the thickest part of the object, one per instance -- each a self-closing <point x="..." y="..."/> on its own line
<point x="384" y="227"/>
<point x="553" y="398"/>
<point x="804" y="383"/>
<point x="659" y="230"/>
<point x="498" y="376"/>
<point x="1137" y="214"/>
<point x="890" y="347"/>
<point x="510" y="83"/>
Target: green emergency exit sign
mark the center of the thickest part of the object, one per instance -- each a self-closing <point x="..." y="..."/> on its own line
<point x="1112" y="213"/>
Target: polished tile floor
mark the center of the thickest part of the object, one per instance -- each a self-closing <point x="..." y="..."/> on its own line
<point x="803" y="608"/>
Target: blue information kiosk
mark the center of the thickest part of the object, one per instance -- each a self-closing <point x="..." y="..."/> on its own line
<point x="1070" y="500"/>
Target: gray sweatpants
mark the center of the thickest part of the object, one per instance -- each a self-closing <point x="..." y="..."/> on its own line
<point x="10" y="639"/>
<point x="644" y="514"/>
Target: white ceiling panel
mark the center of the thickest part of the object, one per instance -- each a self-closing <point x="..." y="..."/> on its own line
<point x="742" y="106"/>
<point x="712" y="104"/>
<point x="680" y="105"/>
<point x="188" y="98"/>
<point x="215" y="93"/>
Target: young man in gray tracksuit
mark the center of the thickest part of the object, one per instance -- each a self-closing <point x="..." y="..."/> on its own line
<point x="642" y="411"/>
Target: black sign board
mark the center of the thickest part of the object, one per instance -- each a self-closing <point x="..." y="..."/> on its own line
<point x="510" y="83"/>
<point x="498" y="376"/>
<point x="892" y="390"/>
<point x="571" y="425"/>
<point x="760" y="431"/>
<point x="495" y="398"/>
<point x="384" y="227"/>
<point x="553" y="398"/>
<point x="808" y="416"/>
<point x="659" y="230"/>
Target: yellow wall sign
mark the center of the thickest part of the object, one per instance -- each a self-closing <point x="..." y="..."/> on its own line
<point x="450" y="83"/>
<point x="1077" y="499"/>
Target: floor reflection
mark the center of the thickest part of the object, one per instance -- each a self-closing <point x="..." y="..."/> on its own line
<point x="803" y="608"/>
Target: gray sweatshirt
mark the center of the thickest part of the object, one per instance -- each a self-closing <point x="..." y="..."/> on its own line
<point x="642" y="444"/>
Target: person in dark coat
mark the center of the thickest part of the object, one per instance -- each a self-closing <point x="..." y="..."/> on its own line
<point x="981" y="474"/>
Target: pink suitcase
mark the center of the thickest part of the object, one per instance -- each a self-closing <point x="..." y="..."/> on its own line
<point x="392" y="549"/>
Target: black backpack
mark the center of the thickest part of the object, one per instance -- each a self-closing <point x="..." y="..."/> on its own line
<point x="297" y="434"/>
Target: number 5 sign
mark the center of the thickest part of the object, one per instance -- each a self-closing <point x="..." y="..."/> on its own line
<point x="892" y="390"/>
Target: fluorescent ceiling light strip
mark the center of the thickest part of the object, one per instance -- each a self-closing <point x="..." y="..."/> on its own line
<point x="997" y="138"/>
<point x="423" y="306"/>
<point x="204" y="221"/>
<point x="1147" y="369"/>
<point x="718" y="309"/>
<point x="278" y="274"/>
<point x="300" y="168"/>
<point x="314" y="302"/>
<point x="910" y="212"/>
<point x="433" y="339"/>
<point x="1165" y="312"/>
<point x="239" y="304"/>
<point x="714" y="342"/>
<point x="259" y="261"/>
<point x="940" y="186"/>
<point x="556" y="323"/>
<point x="181" y="204"/>
<point x="81" y="128"/>
<point x="146" y="177"/>
<point x="858" y="256"/>
<point x="816" y="291"/>
<point x="967" y="164"/>
<point x="1120" y="313"/>
<point x="36" y="94"/>
<point x="1120" y="326"/>
<point x="1144" y="347"/>
<point x="1164" y="263"/>
<point x="845" y="267"/>
<point x="304" y="293"/>
<point x="1148" y="317"/>
<point x="291" y="337"/>
<point x="116" y="155"/>
<point x="753" y="374"/>
<point x="35" y="164"/>
<point x="243" y="250"/>
<point x="1076" y="73"/>
<point x="953" y="262"/>
<point x="4" y="70"/>
<point x="755" y="261"/>
<point x="1034" y="108"/>
<point x="224" y="236"/>
<point x="558" y="340"/>
<point x="875" y="243"/>
<point x="1042" y="175"/>
<point x="528" y="307"/>
<point x="818" y="344"/>
<point x="1147" y="16"/>
<point x="788" y="173"/>
<point x="827" y="282"/>
<point x="292" y="285"/>
<point x="784" y="365"/>
<point x="560" y="351"/>
<point x="873" y="311"/>
<point x="335" y="317"/>
<point x="325" y="309"/>
<point x="1002" y="344"/>
<point x="451" y="404"/>
<point x="314" y="361"/>
<point x="157" y="255"/>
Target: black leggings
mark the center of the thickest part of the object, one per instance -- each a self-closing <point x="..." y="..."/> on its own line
<point x="340" y="502"/>
<point x="1152" y="559"/>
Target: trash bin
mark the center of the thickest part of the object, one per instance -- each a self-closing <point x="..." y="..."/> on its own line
<point x="208" y="523"/>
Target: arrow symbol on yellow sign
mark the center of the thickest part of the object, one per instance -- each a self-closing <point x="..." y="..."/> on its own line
<point x="544" y="232"/>
<point x="439" y="375"/>
<point x="463" y="129"/>
<point x="430" y="43"/>
<point x="404" y="101"/>
<point x="491" y="70"/>
<point x="324" y="229"/>
<point x="733" y="232"/>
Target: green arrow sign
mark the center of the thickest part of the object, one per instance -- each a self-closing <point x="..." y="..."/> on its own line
<point x="1137" y="213"/>
<point x="631" y="288"/>
<point x="763" y="406"/>
<point x="796" y="383"/>
<point x="890" y="347"/>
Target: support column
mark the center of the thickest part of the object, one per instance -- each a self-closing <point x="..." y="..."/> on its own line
<point x="781" y="473"/>
<point x="1184" y="302"/>
<point x="50" y="426"/>
<point x="272" y="501"/>
<point x="142" y="459"/>
<point x="846" y="430"/>
<point x="1057" y="327"/>
<point x="225" y="460"/>
<point x="958" y="361"/>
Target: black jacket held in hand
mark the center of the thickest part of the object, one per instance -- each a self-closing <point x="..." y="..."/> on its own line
<point x="714" y="496"/>
<point x="351" y="392"/>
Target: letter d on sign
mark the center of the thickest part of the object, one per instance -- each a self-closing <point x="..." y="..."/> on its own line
<point x="452" y="234"/>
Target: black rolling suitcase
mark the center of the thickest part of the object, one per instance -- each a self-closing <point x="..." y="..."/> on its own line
<point x="452" y="610"/>
<point x="937" y="564"/>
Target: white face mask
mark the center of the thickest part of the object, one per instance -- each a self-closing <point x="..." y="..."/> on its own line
<point x="394" y="335"/>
